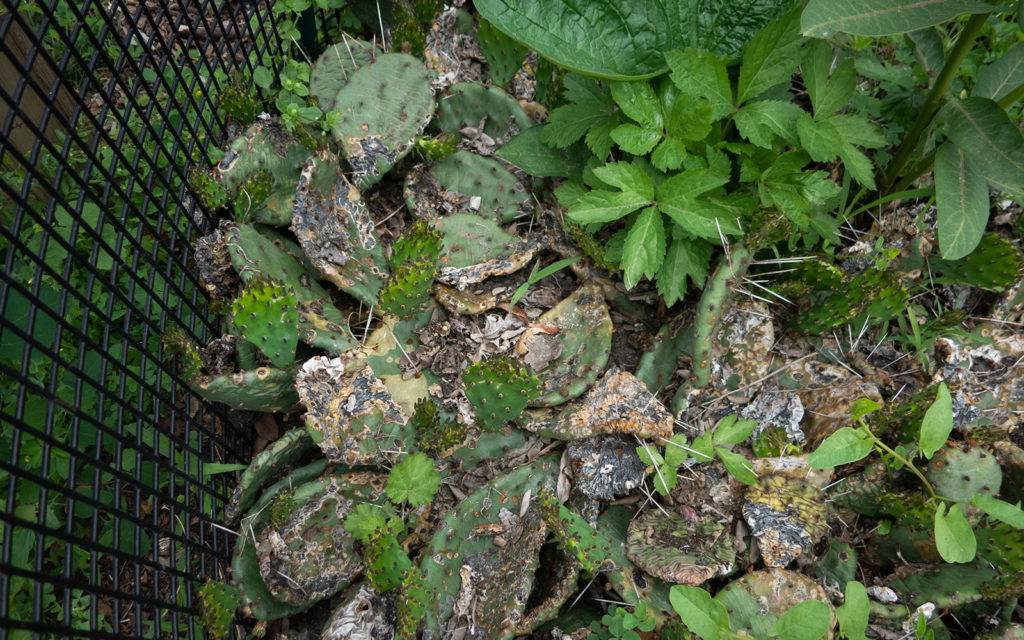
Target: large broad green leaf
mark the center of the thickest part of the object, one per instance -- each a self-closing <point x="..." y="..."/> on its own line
<point x="954" y="538"/>
<point x="685" y="257"/>
<point x="961" y="199"/>
<point x="1002" y="76"/>
<point x="986" y="135"/>
<point x="644" y="250"/>
<point x="822" y="18"/>
<point x="758" y="121"/>
<point x="771" y="57"/>
<point x="703" y="74"/>
<point x="627" y="40"/>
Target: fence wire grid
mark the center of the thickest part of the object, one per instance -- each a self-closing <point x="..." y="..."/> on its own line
<point x="109" y="517"/>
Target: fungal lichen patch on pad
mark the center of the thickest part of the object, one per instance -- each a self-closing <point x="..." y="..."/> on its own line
<point x="680" y="549"/>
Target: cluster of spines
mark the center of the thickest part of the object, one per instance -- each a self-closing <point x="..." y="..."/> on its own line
<point x="179" y="344"/>
<point x="499" y="388"/>
<point x="433" y="434"/>
<point x="252" y="192"/>
<point x="266" y="314"/>
<point x="238" y="102"/>
<point x="210" y="192"/>
<point x="217" y="604"/>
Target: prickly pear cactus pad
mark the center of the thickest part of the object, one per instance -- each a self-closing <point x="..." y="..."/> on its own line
<point x="682" y="549"/>
<point x="958" y="475"/>
<point x="476" y="184"/>
<point x="285" y="451"/>
<point x="786" y="515"/>
<point x="351" y="413"/>
<point x="336" y="231"/>
<point x="336" y="65"/>
<point x="267" y="315"/>
<point x="268" y="150"/>
<point x="217" y="604"/>
<point x="582" y="345"/>
<point x="756" y="600"/>
<point x="474" y="248"/>
<point x="261" y="389"/>
<point x="499" y="388"/>
<point x="471" y="104"/>
<point x="384" y="106"/>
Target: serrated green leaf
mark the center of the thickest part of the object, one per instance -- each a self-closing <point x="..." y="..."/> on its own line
<point x="568" y="123"/>
<point x="770" y="58"/>
<point x="954" y="538"/>
<point x="364" y="520"/>
<point x="644" y="250"/>
<point x="830" y="89"/>
<point x="685" y="257"/>
<point x="665" y="479"/>
<point x="669" y="154"/>
<point x="982" y="130"/>
<point x="569" y="192"/>
<point x="1011" y="514"/>
<point x="690" y="184"/>
<point x="961" y="202"/>
<point x="823" y="18"/>
<point x="686" y="117"/>
<point x="530" y="154"/>
<point x="701" y="614"/>
<point x="937" y="423"/>
<point x="604" y="206"/>
<point x="587" y="91"/>
<point x="1002" y="76"/>
<point x="844" y="446"/>
<point x="701" y="73"/>
<point x="857" y="165"/>
<point x="732" y="430"/>
<point x="638" y="101"/>
<point x="629" y="177"/>
<point x="634" y="139"/>
<point x="738" y="466"/>
<point x="819" y="138"/>
<point x="857" y="130"/>
<point x="807" y="620"/>
<point x="702" y="450"/>
<point x="649" y="455"/>
<point x="676" y="450"/>
<point x="413" y="480"/>
<point x="599" y="138"/>
<point x="853" y="614"/>
<point x="757" y="121"/>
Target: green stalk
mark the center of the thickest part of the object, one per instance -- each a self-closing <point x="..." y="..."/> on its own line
<point x="935" y="98"/>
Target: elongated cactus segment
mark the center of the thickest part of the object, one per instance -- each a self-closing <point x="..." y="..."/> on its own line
<point x="384" y="106"/>
<point x="263" y="389"/>
<point x="335" y="66"/>
<point x="679" y="549"/>
<point x="994" y="265"/>
<point x="712" y="308"/>
<point x="217" y="604"/>
<point x="267" y="315"/>
<point x="267" y="464"/>
<point x="659" y="364"/>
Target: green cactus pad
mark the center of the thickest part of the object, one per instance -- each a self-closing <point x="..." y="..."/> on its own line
<point x="838" y="566"/>
<point x="257" y="256"/>
<point x="267" y="464"/>
<point x="583" y="344"/>
<point x="266" y="315"/>
<point x="499" y="388"/>
<point x="415" y="596"/>
<point x="658" y="365"/>
<point x="958" y="475"/>
<point x="352" y="415"/>
<point x="335" y="66"/>
<point x="756" y="600"/>
<point x="994" y="265"/>
<point x="875" y="294"/>
<point x="786" y="515"/>
<point x="286" y="570"/>
<point x="211" y="194"/>
<point x="418" y="242"/>
<point x="263" y="389"/>
<point x="384" y="106"/>
<point x="504" y="55"/>
<point x="407" y="290"/>
<point x="217" y="604"/>
<point x="336" y="231"/>
<point x="482" y="446"/>
<point x="263" y="148"/>
<point x="680" y="549"/>
<point x="948" y="585"/>
<point x="469" y="103"/>
<point x="474" y="248"/>
<point x="466" y="563"/>
<point x="316" y="330"/>
<point x="238" y="102"/>
<point x="466" y="182"/>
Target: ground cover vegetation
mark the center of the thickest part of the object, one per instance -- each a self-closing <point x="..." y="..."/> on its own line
<point x="718" y="337"/>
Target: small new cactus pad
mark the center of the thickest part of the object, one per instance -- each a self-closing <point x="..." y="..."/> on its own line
<point x="504" y="55"/>
<point x="267" y="315"/>
<point x="263" y="148"/>
<point x="474" y="248"/>
<point x="210" y="193"/>
<point x="435" y="434"/>
<point x="486" y="551"/>
<point x="351" y="413"/>
<point x="786" y="515"/>
<point x="251" y="193"/>
<point x="179" y="344"/>
<point x="418" y="242"/>
<point x="238" y="102"/>
<point x="470" y="103"/>
<point x="958" y="475"/>
<point x="583" y="344"/>
<point x="365" y="614"/>
<point x="499" y="388"/>
<point x="262" y="389"/>
<point x="994" y="265"/>
<point x="680" y="549"/>
<point x="487" y="188"/>
<point x="384" y="106"/>
<point x="217" y="604"/>
<point x="336" y="231"/>
<point x="756" y="600"/>
<point x="267" y="464"/>
<point x="437" y="147"/>
<point x="335" y="67"/>
<point x="407" y="290"/>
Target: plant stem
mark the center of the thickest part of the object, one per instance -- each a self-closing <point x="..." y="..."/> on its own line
<point x="935" y="97"/>
<point x="910" y="465"/>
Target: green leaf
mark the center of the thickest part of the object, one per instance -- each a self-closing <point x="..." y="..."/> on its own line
<point x="731" y="430"/>
<point x="413" y="480"/>
<point x="605" y="206"/>
<point x="1001" y="77"/>
<point x="701" y="614"/>
<point x="568" y="123"/>
<point x="937" y="423"/>
<point x="701" y="73"/>
<point x="636" y="140"/>
<point x="853" y="614"/>
<point x="645" y="247"/>
<point x="529" y="153"/>
<point x="263" y="77"/>
<point x="537" y="276"/>
<point x="738" y="466"/>
<point x="649" y="455"/>
<point x="685" y="257"/>
<point x="857" y="129"/>
<point x="961" y="201"/>
<point x="364" y="519"/>
<point x="691" y="184"/>
<point x="665" y="479"/>
<point x="857" y="165"/>
<point x="702" y="449"/>
<point x="929" y="51"/>
<point x="676" y="452"/>
<point x="822" y="18"/>
<point x="985" y="133"/>
<point x="756" y="121"/>
<point x="828" y="95"/>
<point x="807" y="620"/>
<point x="629" y="177"/>
<point x="638" y="101"/>
<point x="844" y="446"/>
<point x="1011" y="514"/>
<point x="954" y="537"/>
<point x="669" y="155"/>
<point x="771" y="57"/>
<point x="686" y="117"/>
<point x="862" y="407"/>
<point x="819" y="138"/>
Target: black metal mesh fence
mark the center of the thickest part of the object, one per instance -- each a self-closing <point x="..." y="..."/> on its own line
<point x="109" y="519"/>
